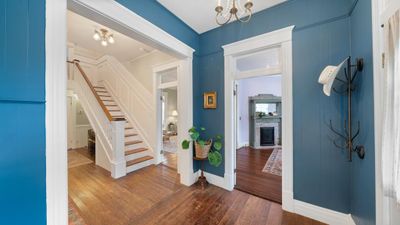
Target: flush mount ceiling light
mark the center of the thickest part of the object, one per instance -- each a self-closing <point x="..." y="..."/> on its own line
<point x="104" y="37"/>
<point x="235" y="10"/>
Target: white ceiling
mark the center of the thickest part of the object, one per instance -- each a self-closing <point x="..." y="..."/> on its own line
<point x="80" y="33"/>
<point x="200" y="14"/>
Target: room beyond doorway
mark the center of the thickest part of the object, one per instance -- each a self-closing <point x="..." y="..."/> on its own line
<point x="259" y="136"/>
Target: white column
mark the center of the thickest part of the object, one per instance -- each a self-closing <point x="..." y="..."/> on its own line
<point x="118" y="164"/>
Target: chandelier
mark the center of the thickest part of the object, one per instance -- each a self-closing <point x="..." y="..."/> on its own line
<point x="241" y="14"/>
<point x="104" y="37"/>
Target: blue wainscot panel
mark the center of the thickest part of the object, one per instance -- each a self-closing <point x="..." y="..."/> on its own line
<point x="22" y="164"/>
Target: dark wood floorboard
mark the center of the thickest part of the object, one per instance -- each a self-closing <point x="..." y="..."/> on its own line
<point x="251" y="179"/>
<point x="154" y="196"/>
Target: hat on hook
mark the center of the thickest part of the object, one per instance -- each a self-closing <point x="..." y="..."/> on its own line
<point x="328" y="76"/>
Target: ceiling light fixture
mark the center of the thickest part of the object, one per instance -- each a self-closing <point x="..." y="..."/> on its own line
<point x="104" y="37"/>
<point x="241" y="14"/>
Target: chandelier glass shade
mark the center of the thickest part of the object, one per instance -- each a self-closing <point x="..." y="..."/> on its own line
<point x="235" y="9"/>
<point x="104" y="37"/>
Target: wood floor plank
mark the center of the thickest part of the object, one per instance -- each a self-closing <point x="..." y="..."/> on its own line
<point x="153" y="195"/>
<point x="251" y="179"/>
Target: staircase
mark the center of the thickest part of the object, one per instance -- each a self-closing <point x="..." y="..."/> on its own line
<point x="137" y="155"/>
<point x="121" y="148"/>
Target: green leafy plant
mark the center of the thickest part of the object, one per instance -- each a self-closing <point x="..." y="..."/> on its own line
<point x="196" y="136"/>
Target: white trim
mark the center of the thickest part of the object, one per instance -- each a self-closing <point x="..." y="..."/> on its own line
<point x="282" y="38"/>
<point x="56" y="113"/>
<point x="377" y="68"/>
<point x="111" y="14"/>
<point x="253" y="44"/>
<point x="322" y="214"/>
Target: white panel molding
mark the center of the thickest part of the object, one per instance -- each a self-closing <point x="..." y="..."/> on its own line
<point x="131" y="118"/>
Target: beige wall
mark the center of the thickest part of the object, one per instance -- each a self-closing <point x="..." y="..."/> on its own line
<point x="142" y="68"/>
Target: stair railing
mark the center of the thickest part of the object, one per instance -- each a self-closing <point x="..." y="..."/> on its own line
<point x="117" y="134"/>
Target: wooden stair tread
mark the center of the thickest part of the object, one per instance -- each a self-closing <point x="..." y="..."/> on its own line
<point x="130" y="135"/>
<point x="133" y="142"/>
<point x="114" y="110"/>
<point x="138" y="160"/>
<point x="127" y="128"/>
<point x="134" y="151"/>
<point x="100" y="87"/>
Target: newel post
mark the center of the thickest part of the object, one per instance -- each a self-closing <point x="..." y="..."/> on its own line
<point x="118" y="165"/>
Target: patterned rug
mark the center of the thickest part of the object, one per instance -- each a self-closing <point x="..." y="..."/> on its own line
<point x="170" y="146"/>
<point x="73" y="215"/>
<point x="274" y="163"/>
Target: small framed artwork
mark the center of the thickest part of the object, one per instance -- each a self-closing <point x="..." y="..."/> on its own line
<point x="210" y="100"/>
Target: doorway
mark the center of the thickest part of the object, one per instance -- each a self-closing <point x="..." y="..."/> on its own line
<point x="166" y="91"/>
<point x="259" y="136"/>
<point x="240" y="63"/>
<point x="111" y="14"/>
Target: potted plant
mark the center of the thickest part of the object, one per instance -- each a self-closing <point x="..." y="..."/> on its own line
<point x="210" y="148"/>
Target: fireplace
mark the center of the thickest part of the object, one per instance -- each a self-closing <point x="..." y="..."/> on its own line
<point x="267" y="136"/>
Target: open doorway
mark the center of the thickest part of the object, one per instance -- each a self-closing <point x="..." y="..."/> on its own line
<point x="169" y="127"/>
<point x="166" y="89"/>
<point x="259" y="136"/>
<point x="269" y="54"/>
<point x="111" y="124"/>
<point x="81" y="137"/>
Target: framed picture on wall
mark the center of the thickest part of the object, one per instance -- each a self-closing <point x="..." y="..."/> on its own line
<point x="210" y="100"/>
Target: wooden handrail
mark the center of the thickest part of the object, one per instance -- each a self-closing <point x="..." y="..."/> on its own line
<point x="105" y="110"/>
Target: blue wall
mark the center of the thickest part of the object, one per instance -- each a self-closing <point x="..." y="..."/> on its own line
<point x="321" y="37"/>
<point x="325" y="33"/>
<point x="22" y="109"/>
<point x="363" y="171"/>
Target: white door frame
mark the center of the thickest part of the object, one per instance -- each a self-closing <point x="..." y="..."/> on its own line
<point x="280" y="38"/>
<point x="158" y="87"/>
<point x="111" y="14"/>
<point x="380" y="14"/>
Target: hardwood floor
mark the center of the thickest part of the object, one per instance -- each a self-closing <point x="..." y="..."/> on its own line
<point x="170" y="160"/>
<point x="153" y="195"/>
<point x="251" y="179"/>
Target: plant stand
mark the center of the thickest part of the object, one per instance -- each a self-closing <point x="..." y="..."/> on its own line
<point x="202" y="179"/>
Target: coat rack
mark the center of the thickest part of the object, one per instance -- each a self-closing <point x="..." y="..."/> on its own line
<point x="348" y="135"/>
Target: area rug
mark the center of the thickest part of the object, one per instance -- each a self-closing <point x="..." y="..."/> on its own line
<point x="73" y="215"/>
<point x="274" y="163"/>
<point x="170" y="146"/>
<point x="76" y="159"/>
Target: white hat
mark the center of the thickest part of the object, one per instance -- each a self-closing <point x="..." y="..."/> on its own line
<point x="328" y="76"/>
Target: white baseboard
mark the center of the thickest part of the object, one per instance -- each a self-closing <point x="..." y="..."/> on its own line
<point x="322" y="214"/>
<point x="291" y="205"/>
